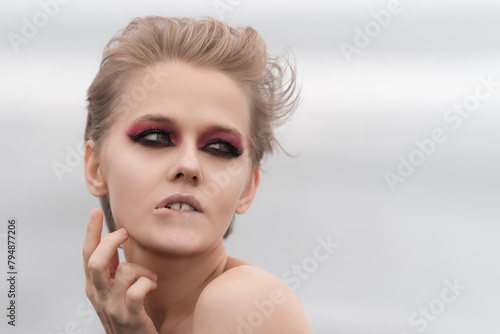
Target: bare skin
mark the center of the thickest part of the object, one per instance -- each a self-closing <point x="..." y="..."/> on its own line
<point x="177" y="277"/>
<point x="122" y="294"/>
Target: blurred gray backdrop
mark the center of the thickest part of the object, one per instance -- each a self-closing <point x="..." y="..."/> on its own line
<point x="397" y="143"/>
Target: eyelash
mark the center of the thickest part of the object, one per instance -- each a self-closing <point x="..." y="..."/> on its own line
<point x="139" y="137"/>
<point x="233" y="150"/>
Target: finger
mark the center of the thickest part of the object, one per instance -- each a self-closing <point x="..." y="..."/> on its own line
<point x="99" y="261"/>
<point x="113" y="264"/>
<point x="134" y="298"/>
<point x="127" y="274"/>
<point x="92" y="238"/>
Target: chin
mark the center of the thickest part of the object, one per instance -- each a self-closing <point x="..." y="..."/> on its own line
<point x="172" y="240"/>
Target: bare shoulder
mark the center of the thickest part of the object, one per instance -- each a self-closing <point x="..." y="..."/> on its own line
<point x="247" y="299"/>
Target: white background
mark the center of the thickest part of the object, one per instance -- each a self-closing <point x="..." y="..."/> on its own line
<point x="397" y="248"/>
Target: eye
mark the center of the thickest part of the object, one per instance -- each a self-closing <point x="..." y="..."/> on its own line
<point x="220" y="146"/>
<point x="156" y="137"/>
<point x="223" y="149"/>
<point x="152" y="137"/>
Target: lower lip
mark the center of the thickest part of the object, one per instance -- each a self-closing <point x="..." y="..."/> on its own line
<point x="168" y="212"/>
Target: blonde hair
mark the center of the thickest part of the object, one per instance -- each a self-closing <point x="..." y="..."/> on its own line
<point x="240" y="53"/>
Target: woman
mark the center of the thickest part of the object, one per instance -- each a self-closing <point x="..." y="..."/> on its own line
<point x="180" y="116"/>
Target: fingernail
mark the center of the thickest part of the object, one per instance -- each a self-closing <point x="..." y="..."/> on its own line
<point x="122" y="231"/>
<point x="94" y="214"/>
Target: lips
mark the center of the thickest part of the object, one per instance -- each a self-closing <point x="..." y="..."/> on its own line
<point x="180" y="198"/>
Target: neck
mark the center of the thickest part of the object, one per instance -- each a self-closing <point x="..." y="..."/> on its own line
<point x="181" y="279"/>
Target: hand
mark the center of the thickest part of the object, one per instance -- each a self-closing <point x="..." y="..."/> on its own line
<point x="116" y="290"/>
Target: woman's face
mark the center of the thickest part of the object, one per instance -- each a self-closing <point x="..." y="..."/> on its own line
<point x="182" y="130"/>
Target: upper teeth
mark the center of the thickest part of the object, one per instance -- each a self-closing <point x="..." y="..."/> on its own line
<point x="180" y="206"/>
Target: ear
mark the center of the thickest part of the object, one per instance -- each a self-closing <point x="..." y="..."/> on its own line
<point x="93" y="172"/>
<point x="248" y="194"/>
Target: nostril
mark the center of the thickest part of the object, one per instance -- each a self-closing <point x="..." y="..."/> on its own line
<point x="181" y="175"/>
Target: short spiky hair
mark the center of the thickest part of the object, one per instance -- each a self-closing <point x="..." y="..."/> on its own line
<point x="238" y="52"/>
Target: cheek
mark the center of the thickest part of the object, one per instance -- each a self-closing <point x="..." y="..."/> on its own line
<point x="224" y="188"/>
<point x="129" y="190"/>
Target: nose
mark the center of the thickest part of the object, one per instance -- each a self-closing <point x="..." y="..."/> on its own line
<point x="186" y="165"/>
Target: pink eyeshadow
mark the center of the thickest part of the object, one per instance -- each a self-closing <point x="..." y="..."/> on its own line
<point x="137" y="128"/>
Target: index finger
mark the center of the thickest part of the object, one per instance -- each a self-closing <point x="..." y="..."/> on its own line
<point x="92" y="238"/>
<point x="104" y="257"/>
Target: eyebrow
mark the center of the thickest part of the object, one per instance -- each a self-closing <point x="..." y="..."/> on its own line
<point x="171" y="121"/>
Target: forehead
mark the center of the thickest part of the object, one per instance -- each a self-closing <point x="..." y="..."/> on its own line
<point x="188" y="94"/>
